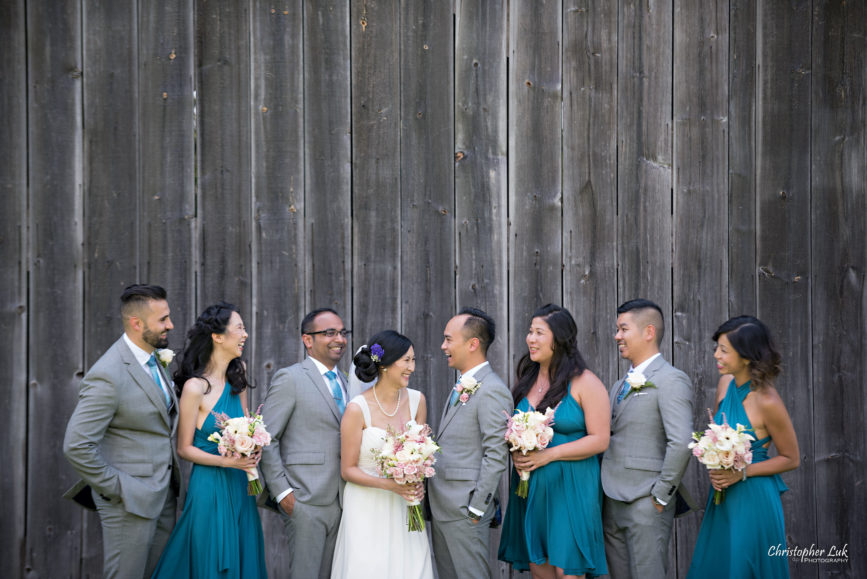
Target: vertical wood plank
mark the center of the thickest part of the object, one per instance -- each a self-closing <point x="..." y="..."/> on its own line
<point x="278" y="190"/>
<point x="223" y="145"/>
<point x="427" y="257"/>
<point x="701" y="224"/>
<point x="55" y="350"/>
<point x="13" y="290"/>
<point x="535" y="194"/>
<point x="590" y="177"/>
<point x="481" y="184"/>
<point x="375" y="32"/>
<point x="644" y="155"/>
<point x="111" y="195"/>
<point x="167" y="206"/>
<point x="839" y="257"/>
<point x="742" y="157"/>
<point x="783" y="245"/>
<point x="328" y="158"/>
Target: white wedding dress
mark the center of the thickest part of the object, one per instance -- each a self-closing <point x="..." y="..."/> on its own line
<point x="373" y="540"/>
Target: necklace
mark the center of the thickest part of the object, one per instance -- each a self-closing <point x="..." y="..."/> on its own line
<point x="375" y="397"/>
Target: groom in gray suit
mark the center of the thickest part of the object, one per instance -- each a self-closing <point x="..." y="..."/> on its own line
<point x="119" y="439"/>
<point x="473" y="451"/>
<point x="651" y="426"/>
<point x="301" y="466"/>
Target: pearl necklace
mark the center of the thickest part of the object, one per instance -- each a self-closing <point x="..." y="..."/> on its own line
<point x="375" y="397"/>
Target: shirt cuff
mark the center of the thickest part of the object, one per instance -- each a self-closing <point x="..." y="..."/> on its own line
<point x="476" y="511"/>
<point x="657" y="499"/>
<point x="283" y="495"/>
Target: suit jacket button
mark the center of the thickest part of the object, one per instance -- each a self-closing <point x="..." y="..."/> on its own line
<point x="169" y="467"/>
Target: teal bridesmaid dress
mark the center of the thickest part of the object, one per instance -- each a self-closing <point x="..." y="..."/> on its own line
<point x="219" y="534"/>
<point x="560" y="521"/>
<point x="738" y="537"/>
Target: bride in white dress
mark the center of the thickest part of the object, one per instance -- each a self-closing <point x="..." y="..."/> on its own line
<point x="373" y="540"/>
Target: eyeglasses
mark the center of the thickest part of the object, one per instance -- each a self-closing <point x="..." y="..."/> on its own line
<point x="330" y="333"/>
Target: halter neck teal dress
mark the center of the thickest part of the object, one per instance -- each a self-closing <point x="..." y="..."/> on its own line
<point x="560" y="521"/>
<point x="219" y="534"/>
<point x="738" y="538"/>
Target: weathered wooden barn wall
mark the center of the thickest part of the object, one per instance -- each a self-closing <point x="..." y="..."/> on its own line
<point x="400" y="160"/>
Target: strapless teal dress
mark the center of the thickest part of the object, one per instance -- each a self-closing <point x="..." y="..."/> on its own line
<point x="219" y="533"/>
<point x="560" y="521"/>
<point x="738" y="537"/>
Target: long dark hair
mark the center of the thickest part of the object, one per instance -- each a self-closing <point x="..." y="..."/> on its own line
<point x="393" y="346"/>
<point x="199" y="347"/>
<point x="566" y="363"/>
<point x="751" y="339"/>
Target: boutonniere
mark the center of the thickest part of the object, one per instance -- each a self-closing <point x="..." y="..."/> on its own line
<point x="637" y="382"/>
<point x="466" y="387"/>
<point x="165" y="356"/>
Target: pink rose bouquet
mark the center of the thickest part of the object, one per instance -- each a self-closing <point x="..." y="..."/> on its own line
<point x="528" y="431"/>
<point x="721" y="446"/>
<point x="408" y="458"/>
<point x="242" y="436"/>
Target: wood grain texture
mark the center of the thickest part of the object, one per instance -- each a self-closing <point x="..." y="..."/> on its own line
<point x="56" y="545"/>
<point x="839" y="257"/>
<point x="223" y="130"/>
<point x="535" y="185"/>
<point x="783" y="242"/>
<point x="700" y="279"/>
<point x="590" y="178"/>
<point x="376" y="196"/>
<point x="13" y="291"/>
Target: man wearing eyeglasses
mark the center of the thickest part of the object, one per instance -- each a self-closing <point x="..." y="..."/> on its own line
<point x="301" y="466"/>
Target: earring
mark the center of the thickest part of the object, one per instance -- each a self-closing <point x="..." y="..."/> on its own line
<point x="384" y="370"/>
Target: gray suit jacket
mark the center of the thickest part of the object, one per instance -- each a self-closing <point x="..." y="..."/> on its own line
<point x="650" y="431"/>
<point x="119" y="438"/>
<point x="303" y="419"/>
<point x="473" y="450"/>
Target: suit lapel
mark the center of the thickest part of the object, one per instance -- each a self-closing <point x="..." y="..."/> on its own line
<point x="318" y="381"/>
<point x="450" y="411"/>
<point x="145" y="381"/>
<point x="649" y="372"/>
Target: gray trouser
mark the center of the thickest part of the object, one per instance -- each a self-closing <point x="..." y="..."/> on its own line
<point x="132" y="545"/>
<point x="636" y="538"/>
<point x="462" y="545"/>
<point x="312" y="534"/>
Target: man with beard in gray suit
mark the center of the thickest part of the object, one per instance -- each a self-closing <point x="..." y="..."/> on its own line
<point x="473" y="453"/>
<point x="651" y="426"/>
<point x="119" y="439"/>
<point x="301" y="466"/>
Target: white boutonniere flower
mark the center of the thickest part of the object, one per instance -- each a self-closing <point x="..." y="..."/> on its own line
<point x="466" y="387"/>
<point x="638" y="382"/>
<point x="165" y="356"/>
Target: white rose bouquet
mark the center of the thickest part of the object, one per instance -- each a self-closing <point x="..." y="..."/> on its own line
<point x="528" y="431"/>
<point x="242" y="436"/>
<point x="721" y="446"/>
<point x="408" y="458"/>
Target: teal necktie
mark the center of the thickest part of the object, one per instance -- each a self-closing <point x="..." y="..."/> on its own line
<point x="455" y="396"/>
<point x="155" y="374"/>
<point x="624" y="390"/>
<point x="336" y="391"/>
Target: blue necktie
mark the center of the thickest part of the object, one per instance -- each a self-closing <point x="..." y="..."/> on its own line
<point x="336" y="391"/>
<point x="155" y="374"/>
<point x="623" y="390"/>
<point x="455" y="396"/>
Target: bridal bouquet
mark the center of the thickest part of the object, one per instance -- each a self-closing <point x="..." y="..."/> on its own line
<point x="408" y="457"/>
<point x="242" y="436"/>
<point x="722" y="447"/>
<point x="528" y="431"/>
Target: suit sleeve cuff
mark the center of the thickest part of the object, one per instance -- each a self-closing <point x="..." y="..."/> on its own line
<point x="476" y="511"/>
<point x="283" y="495"/>
<point x="660" y="501"/>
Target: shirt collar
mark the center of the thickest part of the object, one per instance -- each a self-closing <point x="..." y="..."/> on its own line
<point x="320" y="366"/>
<point x="472" y="371"/>
<point x="141" y="356"/>
<point x="643" y="366"/>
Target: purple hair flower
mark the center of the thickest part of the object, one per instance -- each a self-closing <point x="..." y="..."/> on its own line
<point x="376" y="353"/>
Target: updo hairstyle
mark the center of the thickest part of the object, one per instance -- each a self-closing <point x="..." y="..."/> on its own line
<point x="394" y="346"/>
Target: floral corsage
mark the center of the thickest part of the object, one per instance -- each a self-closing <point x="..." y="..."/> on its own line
<point x="466" y="387"/>
<point x="637" y="382"/>
<point x="165" y="356"/>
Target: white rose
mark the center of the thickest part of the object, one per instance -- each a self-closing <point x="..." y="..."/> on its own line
<point x="468" y="382"/>
<point x="528" y="440"/>
<point x="165" y="356"/>
<point x="403" y="455"/>
<point x="710" y="459"/>
<point x="727" y="459"/>
<point x="244" y="444"/>
<point x="635" y="379"/>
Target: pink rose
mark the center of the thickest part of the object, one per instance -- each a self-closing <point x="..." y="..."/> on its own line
<point x="410" y="469"/>
<point x="244" y="444"/>
<point x="464" y="397"/>
<point x="261" y="437"/>
<point x="429" y="472"/>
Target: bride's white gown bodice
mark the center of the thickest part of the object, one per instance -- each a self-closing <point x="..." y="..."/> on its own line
<point x="373" y="541"/>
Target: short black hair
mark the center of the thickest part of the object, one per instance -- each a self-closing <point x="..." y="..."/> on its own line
<point x="480" y="325"/>
<point x="137" y="295"/>
<point x="641" y="305"/>
<point x="308" y="319"/>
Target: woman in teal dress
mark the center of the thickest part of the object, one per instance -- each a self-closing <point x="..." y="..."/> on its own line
<point x="740" y="537"/>
<point x="557" y="530"/>
<point x="219" y="534"/>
